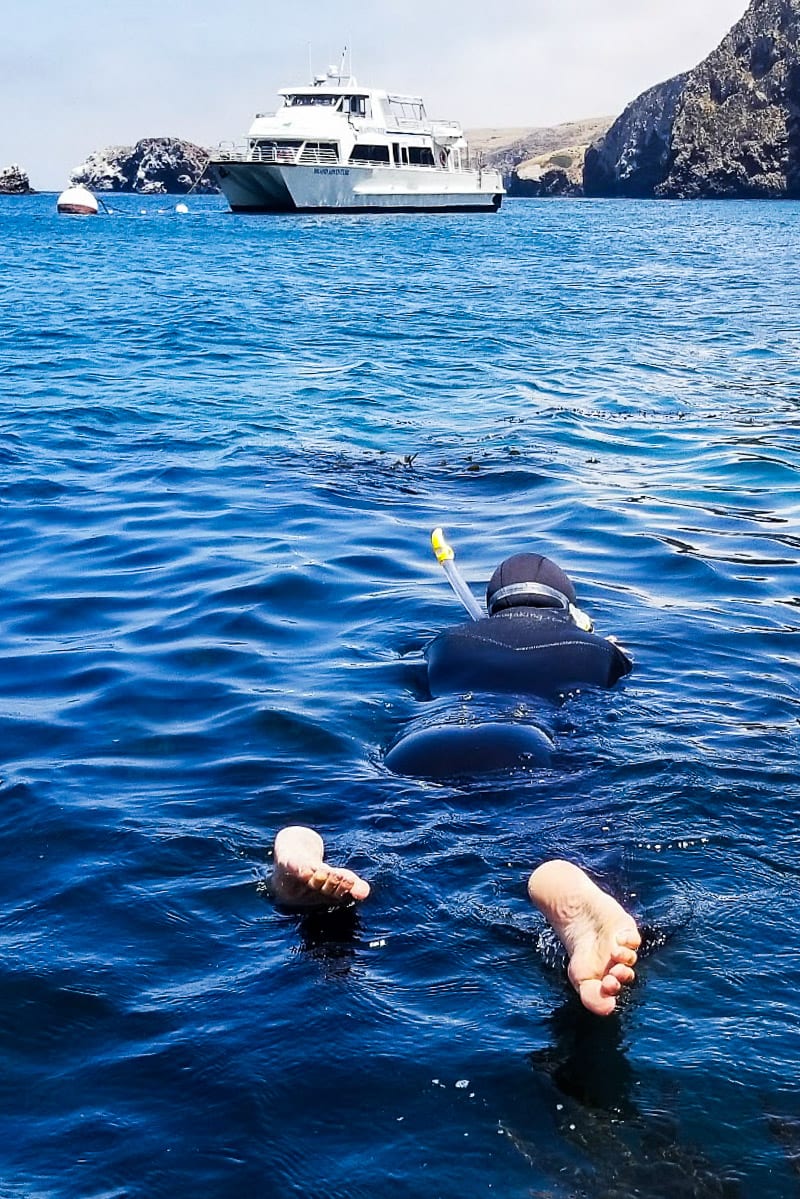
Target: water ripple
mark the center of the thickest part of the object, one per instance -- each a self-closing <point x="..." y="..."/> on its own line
<point x="224" y="444"/>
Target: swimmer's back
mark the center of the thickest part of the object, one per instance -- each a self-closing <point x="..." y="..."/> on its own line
<point x="531" y="652"/>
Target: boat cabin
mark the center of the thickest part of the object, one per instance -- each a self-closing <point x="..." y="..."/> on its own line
<point x="334" y="122"/>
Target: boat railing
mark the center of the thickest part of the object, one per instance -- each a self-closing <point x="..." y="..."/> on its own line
<point x="274" y="152"/>
<point x="310" y="154"/>
<point x="319" y="154"/>
<point x="410" y="125"/>
<point x="230" y="154"/>
<point x="391" y="166"/>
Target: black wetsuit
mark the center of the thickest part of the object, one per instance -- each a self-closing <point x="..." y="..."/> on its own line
<point x="524" y="651"/>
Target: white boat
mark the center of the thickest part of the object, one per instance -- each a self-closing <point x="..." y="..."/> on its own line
<point x="77" y="201"/>
<point x="334" y="146"/>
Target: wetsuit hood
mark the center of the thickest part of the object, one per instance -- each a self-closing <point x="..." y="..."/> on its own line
<point x="528" y="580"/>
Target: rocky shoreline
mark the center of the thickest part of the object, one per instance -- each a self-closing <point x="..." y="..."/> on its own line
<point x="545" y="161"/>
<point x="729" y="128"/>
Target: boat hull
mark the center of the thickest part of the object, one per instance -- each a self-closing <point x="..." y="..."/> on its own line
<point x="268" y="187"/>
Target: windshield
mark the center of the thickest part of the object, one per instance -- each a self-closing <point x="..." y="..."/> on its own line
<point x="309" y="101"/>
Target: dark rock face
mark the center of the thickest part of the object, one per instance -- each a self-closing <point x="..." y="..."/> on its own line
<point x="155" y="165"/>
<point x="552" y="182"/>
<point x="634" y="156"/>
<point x="14" y="182"/>
<point x="735" y="131"/>
<point x="729" y="128"/>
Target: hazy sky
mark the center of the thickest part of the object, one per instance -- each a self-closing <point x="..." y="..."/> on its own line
<point x="77" y="77"/>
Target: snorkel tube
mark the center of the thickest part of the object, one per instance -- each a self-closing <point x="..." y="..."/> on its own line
<point x="445" y="556"/>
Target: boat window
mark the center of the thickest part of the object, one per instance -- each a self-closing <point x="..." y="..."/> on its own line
<point x="275" y="151"/>
<point x="406" y="110"/>
<point x="369" y="153"/>
<point x="355" y="106"/>
<point x="317" y="101"/>
<point x="420" y="156"/>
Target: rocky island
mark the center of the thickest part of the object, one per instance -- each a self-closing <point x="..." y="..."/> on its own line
<point x="14" y="182"/>
<point x="154" y="166"/>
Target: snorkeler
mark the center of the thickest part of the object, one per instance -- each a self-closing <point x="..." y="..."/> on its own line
<point x="533" y="641"/>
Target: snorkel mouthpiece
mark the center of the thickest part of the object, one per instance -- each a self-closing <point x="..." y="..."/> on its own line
<point x="581" y="618"/>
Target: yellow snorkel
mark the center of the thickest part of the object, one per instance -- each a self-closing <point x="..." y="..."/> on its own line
<point x="445" y="556"/>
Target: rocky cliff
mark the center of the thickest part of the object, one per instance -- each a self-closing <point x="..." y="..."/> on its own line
<point x="728" y="128"/>
<point x="546" y="160"/>
<point x="14" y="182"/>
<point x="155" y="165"/>
<point x="633" y="157"/>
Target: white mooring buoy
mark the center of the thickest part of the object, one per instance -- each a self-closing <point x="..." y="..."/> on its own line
<point x="77" y="201"/>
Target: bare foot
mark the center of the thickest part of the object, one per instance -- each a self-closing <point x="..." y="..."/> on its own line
<point x="600" y="938"/>
<point x="301" y="877"/>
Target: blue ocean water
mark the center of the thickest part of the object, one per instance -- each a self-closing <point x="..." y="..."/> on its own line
<point x="224" y="443"/>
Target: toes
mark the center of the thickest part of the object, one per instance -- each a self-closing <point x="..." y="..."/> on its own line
<point x="338" y="884"/>
<point x="595" y="998"/>
<point x="326" y="881"/>
<point x="344" y="885"/>
<point x="351" y="884"/>
<point x="610" y="985"/>
<point x="623" y="973"/>
<point x="625" y="955"/>
<point x="310" y="883"/>
<point x="335" y="885"/>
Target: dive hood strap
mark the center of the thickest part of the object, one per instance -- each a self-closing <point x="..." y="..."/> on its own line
<point x="531" y="589"/>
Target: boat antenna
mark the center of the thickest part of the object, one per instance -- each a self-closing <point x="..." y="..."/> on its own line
<point x="445" y="556"/>
<point x="341" y="65"/>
